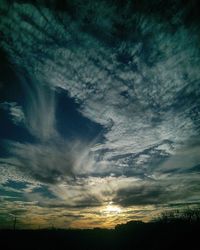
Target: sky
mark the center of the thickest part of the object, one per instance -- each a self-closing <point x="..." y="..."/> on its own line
<point x="99" y="111"/>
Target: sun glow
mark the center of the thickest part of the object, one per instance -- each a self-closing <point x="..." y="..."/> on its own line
<point x="112" y="209"/>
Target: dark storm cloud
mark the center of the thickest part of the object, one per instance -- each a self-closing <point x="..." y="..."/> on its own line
<point x="142" y="195"/>
<point x="132" y="69"/>
<point x="174" y="188"/>
<point x="64" y="206"/>
<point x="49" y="200"/>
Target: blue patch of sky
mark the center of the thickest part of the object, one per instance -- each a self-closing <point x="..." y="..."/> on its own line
<point x="71" y="123"/>
<point x="44" y="191"/>
<point x="15" y="184"/>
<point x="11" y="131"/>
<point x="11" y="194"/>
<point x="12" y="92"/>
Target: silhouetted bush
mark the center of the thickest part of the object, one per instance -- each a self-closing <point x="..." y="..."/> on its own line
<point x="186" y="215"/>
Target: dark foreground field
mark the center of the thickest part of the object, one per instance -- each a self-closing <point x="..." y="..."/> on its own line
<point x="133" y="235"/>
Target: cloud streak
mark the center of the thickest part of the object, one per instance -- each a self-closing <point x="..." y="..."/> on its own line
<point x="15" y="111"/>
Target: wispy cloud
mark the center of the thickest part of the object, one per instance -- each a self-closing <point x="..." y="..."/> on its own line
<point x="15" y="111"/>
<point x="39" y="108"/>
<point x="51" y="162"/>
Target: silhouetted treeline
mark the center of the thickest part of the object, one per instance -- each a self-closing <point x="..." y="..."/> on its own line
<point x="172" y="230"/>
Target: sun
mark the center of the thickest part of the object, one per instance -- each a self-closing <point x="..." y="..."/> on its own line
<point x="112" y="209"/>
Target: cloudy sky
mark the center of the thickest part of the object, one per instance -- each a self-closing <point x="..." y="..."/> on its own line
<point x="99" y="111"/>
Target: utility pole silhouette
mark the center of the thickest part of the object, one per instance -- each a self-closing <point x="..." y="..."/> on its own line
<point x="14" y="223"/>
<point x="14" y="220"/>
